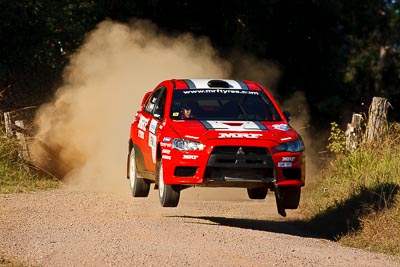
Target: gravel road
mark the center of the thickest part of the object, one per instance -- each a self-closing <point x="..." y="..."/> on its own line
<point x="210" y="227"/>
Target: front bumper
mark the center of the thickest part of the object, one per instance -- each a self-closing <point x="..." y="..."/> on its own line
<point x="235" y="164"/>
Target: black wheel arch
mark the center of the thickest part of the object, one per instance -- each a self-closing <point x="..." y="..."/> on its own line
<point x="158" y="159"/>
<point x="139" y="158"/>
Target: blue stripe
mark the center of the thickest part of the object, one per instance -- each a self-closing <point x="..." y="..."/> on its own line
<point x="242" y="85"/>
<point x="207" y="125"/>
<point x="190" y="84"/>
<point x="260" y="125"/>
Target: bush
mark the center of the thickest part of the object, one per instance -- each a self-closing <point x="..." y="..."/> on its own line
<point x="15" y="175"/>
<point x="357" y="197"/>
<point x="337" y="139"/>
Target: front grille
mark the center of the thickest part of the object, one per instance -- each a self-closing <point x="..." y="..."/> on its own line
<point x="240" y="156"/>
<point x="249" y="150"/>
<point x="242" y="162"/>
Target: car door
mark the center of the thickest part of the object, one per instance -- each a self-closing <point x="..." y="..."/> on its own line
<point x="152" y="116"/>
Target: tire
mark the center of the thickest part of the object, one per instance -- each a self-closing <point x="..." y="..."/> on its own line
<point x="290" y="197"/>
<point x="168" y="194"/>
<point x="139" y="187"/>
<point x="257" y="193"/>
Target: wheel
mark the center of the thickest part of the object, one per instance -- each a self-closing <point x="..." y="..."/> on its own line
<point x="257" y="193"/>
<point x="290" y="197"/>
<point x="139" y="187"/>
<point x="169" y="194"/>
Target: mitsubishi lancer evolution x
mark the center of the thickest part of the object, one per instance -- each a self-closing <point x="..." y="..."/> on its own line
<point x="214" y="133"/>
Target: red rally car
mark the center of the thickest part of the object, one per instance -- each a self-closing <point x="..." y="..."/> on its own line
<point x="214" y="133"/>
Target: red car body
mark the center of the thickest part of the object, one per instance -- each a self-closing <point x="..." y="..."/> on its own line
<point x="237" y="136"/>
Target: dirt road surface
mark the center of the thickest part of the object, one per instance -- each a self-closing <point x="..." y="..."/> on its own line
<point x="210" y="227"/>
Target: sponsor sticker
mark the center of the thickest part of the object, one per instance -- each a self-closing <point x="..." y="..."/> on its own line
<point x="153" y="126"/>
<point x="152" y="144"/>
<point x="285" y="164"/>
<point x="221" y="91"/>
<point x="152" y="140"/>
<point x="166" y="151"/>
<point x="167" y="139"/>
<point x="239" y="135"/>
<point x="281" y="127"/>
<point x="162" y="144"/>
<point x="190" y="156"/>
<point x="143" y="123"/>
<point x="191" y="136"/>
<point x="167" y="157"/>
<point x="140" y="134"/>
<point x="288" y="159"/>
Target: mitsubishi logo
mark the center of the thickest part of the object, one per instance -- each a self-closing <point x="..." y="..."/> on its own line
<point x="240" y="151"/>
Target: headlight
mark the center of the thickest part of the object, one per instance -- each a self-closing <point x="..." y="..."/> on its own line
<point x="185" y="145"/>
<point x="294" y="146"/>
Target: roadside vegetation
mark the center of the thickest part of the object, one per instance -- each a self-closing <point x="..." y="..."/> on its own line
<point x="356" y="198"/>
<point x="6" y="263"/>
<point x="15" y="175"/>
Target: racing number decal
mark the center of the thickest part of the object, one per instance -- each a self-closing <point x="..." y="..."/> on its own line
<point x="143" y="121"/>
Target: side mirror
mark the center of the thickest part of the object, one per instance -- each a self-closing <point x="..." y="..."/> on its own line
<point x="145" y="98"/>
<point x="287" y="115"/>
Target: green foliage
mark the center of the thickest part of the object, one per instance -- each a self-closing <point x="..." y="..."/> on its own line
<point x="37" y="37"/>
<point x="336" y="139"/>
<point x="337" y="52"/>
<point x="358" y="196"/>
<point x="373" y="39"/>
<point x="14" y="175"/>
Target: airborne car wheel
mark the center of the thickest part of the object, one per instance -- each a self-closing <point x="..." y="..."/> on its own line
<point x="169" y="194"/>
<point x="257" y="193"/>
<point x="139" y="187"/>
<point x="290" y="197"/>
<point x="287" y="198"/>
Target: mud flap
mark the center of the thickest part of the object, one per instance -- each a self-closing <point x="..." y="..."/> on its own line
<point x="279" y="201"/>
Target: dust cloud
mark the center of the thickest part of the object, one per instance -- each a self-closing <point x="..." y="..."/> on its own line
<point x="247" y="67"/>
<point x="83" y="132"/>
<point x="300" y="120"/>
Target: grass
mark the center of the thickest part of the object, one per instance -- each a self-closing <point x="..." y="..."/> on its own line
<point x="356" y="199"/>
<point x="15" y="176"/>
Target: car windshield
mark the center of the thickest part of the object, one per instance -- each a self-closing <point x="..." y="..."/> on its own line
<point x="222" y="104"/>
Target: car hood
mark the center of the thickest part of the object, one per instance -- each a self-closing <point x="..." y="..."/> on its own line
<point x="200" y="131"/>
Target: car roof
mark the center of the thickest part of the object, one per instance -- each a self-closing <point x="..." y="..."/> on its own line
<point x="192" y="84"/>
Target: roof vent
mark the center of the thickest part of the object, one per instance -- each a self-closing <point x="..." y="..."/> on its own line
<point x="218" y="83"/>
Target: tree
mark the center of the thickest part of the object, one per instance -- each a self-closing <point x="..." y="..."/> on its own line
<point x="373" y="44"/>
<point x="37" y="38"/>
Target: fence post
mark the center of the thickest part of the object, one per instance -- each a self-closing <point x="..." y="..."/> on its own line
<point x="20" y="133"/>
<point x="377" y="119"/>
<point x="8" y="124"/>
<point x="354" y="132"/>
